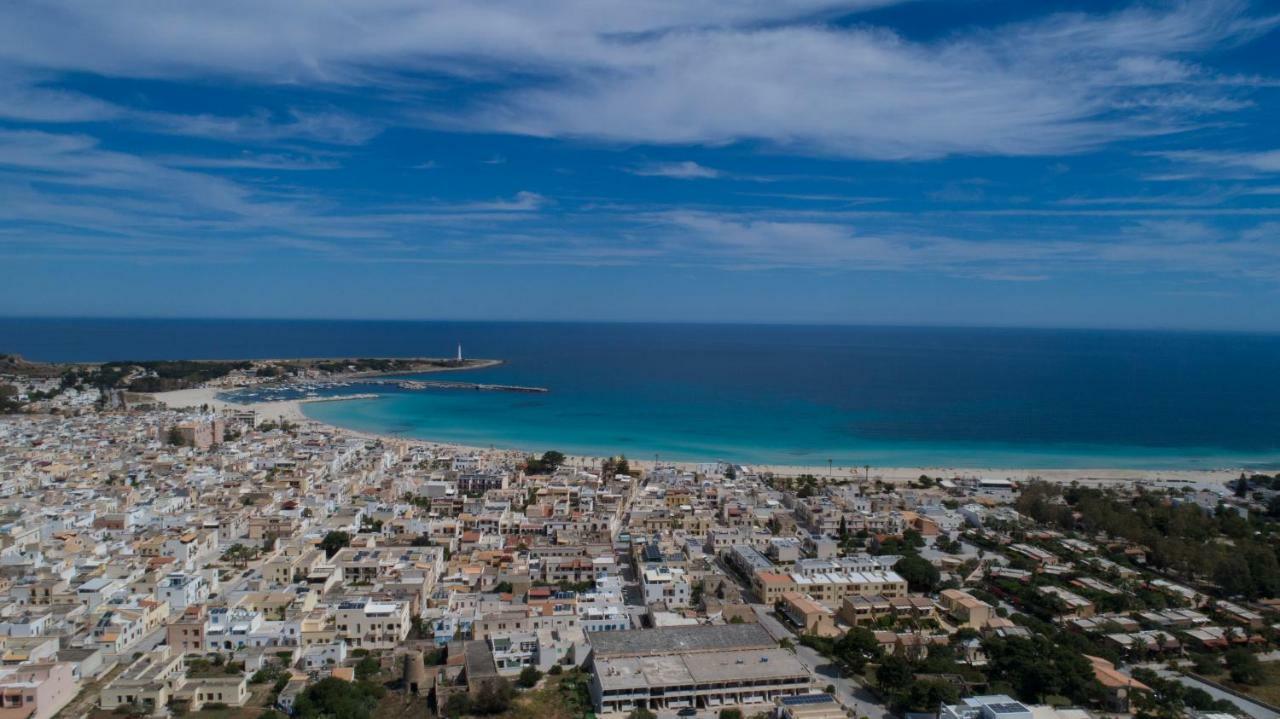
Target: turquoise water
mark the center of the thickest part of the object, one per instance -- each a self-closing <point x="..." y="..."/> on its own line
<point x="780" y="435"/>
<point x="884" y="396"/>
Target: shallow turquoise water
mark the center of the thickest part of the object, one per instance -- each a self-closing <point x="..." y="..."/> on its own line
<point x="884" y="396"/>
<point x="792" y="435"/>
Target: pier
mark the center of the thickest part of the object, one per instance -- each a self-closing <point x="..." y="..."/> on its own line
<point x="414" y="384"/>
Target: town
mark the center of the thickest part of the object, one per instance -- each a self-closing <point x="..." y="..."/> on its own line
<point x="220" y="563"/>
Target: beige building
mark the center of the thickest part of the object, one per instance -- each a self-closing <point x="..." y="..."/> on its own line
<point x="808" y="615"/>
<point x="186" y="634"/>
<point x="372" y="624"/>
<point x="965" y="608"/>
<point x="36" y="691"/>
<point x="149" y="683"/>
<point x="828" y="588"/>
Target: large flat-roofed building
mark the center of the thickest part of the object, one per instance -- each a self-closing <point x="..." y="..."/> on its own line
<point x="694" y="666"/>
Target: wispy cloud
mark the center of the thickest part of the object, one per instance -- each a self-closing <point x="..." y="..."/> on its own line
<point x="671" y="73"/>
<point x="334" y="128"/>
<point x="250" y="161"/>
<point x="524" y="201"/>
<point x="1222" y="163"/>
<point x="685" y="170"/>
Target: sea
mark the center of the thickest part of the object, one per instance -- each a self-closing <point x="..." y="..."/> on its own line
<point x="848" y="396"/>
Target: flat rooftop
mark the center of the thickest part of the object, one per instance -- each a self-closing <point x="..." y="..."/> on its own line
<point x="702" y="668"/>
<point x="678" y="640"/>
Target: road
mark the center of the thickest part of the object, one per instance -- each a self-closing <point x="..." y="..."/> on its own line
<point x="1257" y="711"/>
<point x="848" y="692"/>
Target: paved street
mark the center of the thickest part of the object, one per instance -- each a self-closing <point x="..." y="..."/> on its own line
<point x="1257" y="711"/>
<point x="849" y="692"/>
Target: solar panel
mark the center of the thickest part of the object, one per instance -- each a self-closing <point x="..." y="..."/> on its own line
<point x="808" y="699"/>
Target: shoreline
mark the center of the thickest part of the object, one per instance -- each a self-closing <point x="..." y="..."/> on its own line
<point x="292" y="410"/>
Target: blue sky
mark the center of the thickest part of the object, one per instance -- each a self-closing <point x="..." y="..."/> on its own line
<point x="873" y="161"/>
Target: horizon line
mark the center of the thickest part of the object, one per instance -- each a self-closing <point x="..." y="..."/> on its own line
<point x="1172" y="329"/>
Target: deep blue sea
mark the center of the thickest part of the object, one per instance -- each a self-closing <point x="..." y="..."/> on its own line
<point x="883" y="396"/>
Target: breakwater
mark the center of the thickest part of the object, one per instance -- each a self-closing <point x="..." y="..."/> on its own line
<point x="413" y="384"/>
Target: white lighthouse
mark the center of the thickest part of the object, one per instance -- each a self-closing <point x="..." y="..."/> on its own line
<point x="459" y="351"/>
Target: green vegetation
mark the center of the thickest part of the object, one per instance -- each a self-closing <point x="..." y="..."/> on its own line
<point x="1040" y="667"/>
<point x="331" y="697"/>
<point x="549" y="462"/>
<point x="239" y="554"/>
<point x="1243" y="666"/>
<point x="368" y="668"/>
<point x="333" y="541"/>
<point x="851" y="651"/>
<point x="1168" y="697"/>
<point x="493" y="697"/>
<point x="9" y="399"/>
<point x="1222" y="547"/>
<point x="614" y="466"/>
<point x="920" y="574"/>
<point x="529" y="677"/>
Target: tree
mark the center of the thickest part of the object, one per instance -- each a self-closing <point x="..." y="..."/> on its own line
<point x="894" y="673"/>
<point x="858" y="646"/>
<point x="921" y="576"/>
<point x="493" y="698"/>
<point x="367" y="668"/>
<point x="332" y="697"/>
<point x="1243" y="666"/>
<point x="641" y="713"/>
<point x="529" y="677"/>
<point x="730" y="714"/>
<point x="1242" y="486"/>
<point x="545" y="464"/>
<point x="458" y="704"/>
<point x="1037" y="667"/>
<point x="926" y="695"/>
<point x="333" y="541"/>
<point x="503" y="588"/>
<point x="1206" y="664"/>
<point x="174" y="437"/>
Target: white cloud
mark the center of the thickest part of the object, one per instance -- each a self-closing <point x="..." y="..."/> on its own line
<point x="524" y="201"/>
<point x="1227" y="164"/>
<point x="686" y="170"/>
<point x="118" y="206"/>
<point x="866" y="92"/>
<point x="790" y="74"/>
<point x="250" y="161"/>
<point x="326" y="127"/>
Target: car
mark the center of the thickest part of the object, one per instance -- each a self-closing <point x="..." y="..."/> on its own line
<point x="687" y="712"/>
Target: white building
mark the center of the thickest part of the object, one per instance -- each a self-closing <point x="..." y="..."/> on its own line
<point x="667" y="585"/>
<point x="372" y="625"/>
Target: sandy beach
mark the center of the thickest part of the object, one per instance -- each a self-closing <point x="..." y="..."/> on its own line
<point x="207" y="397"/>
<point x="292" y="411"/>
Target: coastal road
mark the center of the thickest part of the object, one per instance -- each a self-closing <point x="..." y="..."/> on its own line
<point x="848" y="692"/>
